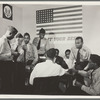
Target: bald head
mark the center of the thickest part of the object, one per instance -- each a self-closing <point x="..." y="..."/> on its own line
<point x="11" y="32"/>
<point x="13" y="29"/>
<point x="51" y="53"/>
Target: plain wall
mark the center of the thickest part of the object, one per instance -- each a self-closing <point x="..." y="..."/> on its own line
<point x="17" y="20"/>
<point x="91" y="28"/>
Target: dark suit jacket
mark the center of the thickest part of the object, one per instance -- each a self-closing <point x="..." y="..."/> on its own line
<point x="61" y="62"/>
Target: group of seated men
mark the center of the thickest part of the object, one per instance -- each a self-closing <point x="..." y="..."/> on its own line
<point x="21" y="62"/>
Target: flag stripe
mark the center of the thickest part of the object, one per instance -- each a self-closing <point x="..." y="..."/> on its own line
<point x="73" y="19"/>
<point x="69" y="32"/>
<point x="67" y="26"/>
<point x="68" y="15"/>
<point x="68" y="7"/>
<point x="69" y="11"/>
<point x="60" y="24"/>
<point x="66" y="22"/>
<point x="63" y="28"/>
<point x="66" y="32"/>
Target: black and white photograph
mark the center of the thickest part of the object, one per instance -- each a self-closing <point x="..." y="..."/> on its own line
<point x="50" y="49"/>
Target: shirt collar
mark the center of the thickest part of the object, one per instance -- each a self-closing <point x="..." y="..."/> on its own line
<point x="81" y="48"/>
<point x="24" y="43"/>
<point x="49" y="61"/>
<point x="5" y="38"/>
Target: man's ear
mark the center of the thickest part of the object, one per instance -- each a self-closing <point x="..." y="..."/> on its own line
<point x="54" y="59"/>
<point x="82" y="43"/>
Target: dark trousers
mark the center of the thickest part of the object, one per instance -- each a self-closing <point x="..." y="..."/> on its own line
<point x="19" y="77"/>
<point x="7" y="76"/>
<point x="75" y="91"/>
<point x="80" y="66"/>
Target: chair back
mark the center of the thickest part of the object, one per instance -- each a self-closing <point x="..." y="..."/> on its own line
<point x="46" y="85"/>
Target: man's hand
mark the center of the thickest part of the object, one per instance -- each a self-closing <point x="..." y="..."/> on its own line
<point x="14" y="53"/>
<point x="73" y="71"/>
<point x="24" y="47"/>
<point x="78" y="84"/>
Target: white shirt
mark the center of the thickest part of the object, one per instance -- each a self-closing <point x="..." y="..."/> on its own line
<point x="66" y="60"/>
<point x="31" y="53"/>
<point x="44" y="45"/>
<point x="14" y="44"/>
<point x="5" y="50"/>
<point x="46" y="69"/>
<point x="84" y="55"/>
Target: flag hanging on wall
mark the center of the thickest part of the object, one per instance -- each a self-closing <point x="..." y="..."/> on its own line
<point x="7" y="11"/>
<point x="60" y="20"/>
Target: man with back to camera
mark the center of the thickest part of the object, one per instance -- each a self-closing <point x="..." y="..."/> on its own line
<point x="48" y="68"/>
<point x="6" y="64"/>
<point x="42" y="44"/>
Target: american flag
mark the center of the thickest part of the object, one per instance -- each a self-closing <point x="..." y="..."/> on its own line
<point x="60" y="20"/>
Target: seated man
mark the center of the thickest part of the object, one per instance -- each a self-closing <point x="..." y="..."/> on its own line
<point x="92" y="77"/>
<point x="79" y="57"/>
<point x="29" y="55"/>
<point x="59" y="60"/>
<point x="6" y="64"/>
<point x="80" y="54"/>
<point x="48" y="68"/>
<point x="67" y="54"/>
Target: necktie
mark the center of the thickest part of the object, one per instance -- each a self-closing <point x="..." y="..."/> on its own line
<point x="92" y="76"/>
<point x="78" y="57"/>
<point x="38" y="47"/>
<point x="9" y="44"/>
<point x="16" y="49"/>
<point x="25" y="57"/>
<point x="15" y="57"/>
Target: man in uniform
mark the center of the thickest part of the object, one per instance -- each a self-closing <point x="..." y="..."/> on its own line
<point x="42" y="44"/>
